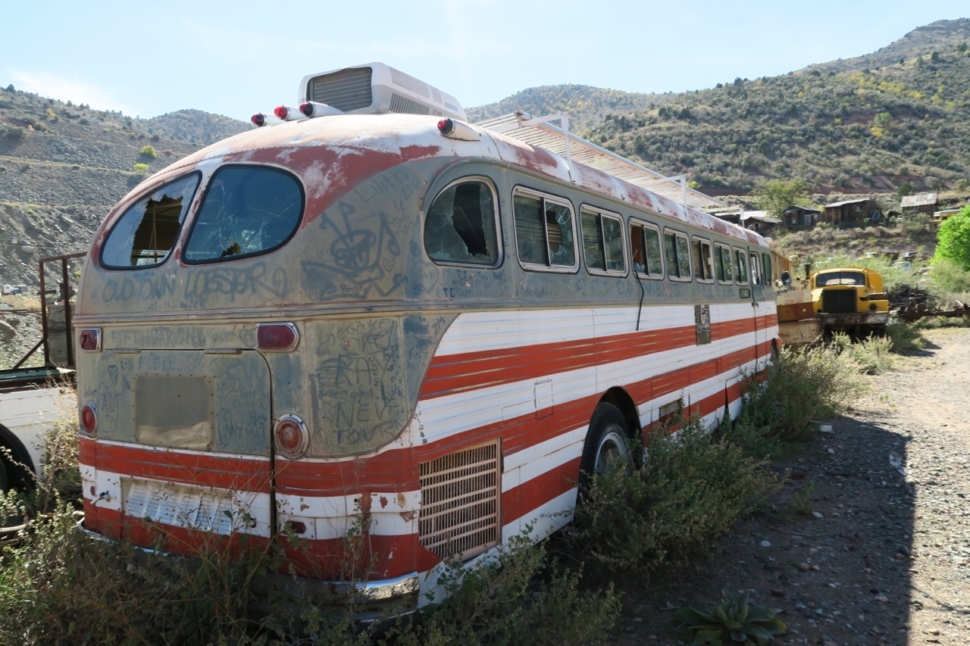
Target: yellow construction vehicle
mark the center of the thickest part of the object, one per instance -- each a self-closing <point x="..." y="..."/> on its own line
<point x="851" y="300"/>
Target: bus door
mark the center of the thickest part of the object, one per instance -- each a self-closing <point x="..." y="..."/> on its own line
<point x="758" y="309"/>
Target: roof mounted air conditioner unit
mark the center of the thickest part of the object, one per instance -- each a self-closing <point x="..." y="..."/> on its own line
<point x="377" y="88"/>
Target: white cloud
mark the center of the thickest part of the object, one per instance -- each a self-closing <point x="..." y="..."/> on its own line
<point x="65" y="89"/>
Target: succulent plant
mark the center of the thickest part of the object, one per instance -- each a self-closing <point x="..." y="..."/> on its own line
<point x="732" y="621"/>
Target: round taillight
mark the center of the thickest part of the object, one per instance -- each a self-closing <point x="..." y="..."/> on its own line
<point x="291" y="436"/>
<point x="281" y="112"/>
<point x="258" y="119"/>
<point x="89" y="419"/>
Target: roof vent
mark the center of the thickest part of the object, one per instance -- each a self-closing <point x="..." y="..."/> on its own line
<point x="377" y="88"/>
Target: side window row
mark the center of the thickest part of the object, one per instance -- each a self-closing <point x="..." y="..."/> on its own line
<point x="462" y="228"/>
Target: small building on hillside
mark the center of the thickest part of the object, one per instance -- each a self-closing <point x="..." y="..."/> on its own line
<point x="759" y="222"/>
<point x="919" y="203"/>
<point x="800" y="217"/>
<point x="851" y="211"/>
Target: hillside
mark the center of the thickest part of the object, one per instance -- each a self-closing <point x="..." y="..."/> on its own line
<point x="63" y="166"/>
<point x="586" y="106"/>
<point x="898" y="116"/>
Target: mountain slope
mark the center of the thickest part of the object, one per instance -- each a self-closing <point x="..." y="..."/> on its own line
<point x="63" y="166"/>
<point x="899" y="116"/>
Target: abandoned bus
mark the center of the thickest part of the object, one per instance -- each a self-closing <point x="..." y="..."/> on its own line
<point x="398" y="324"/>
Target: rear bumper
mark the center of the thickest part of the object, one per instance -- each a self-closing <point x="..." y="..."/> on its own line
<point x="366" y="601"/>
<point x="861" y="318"/>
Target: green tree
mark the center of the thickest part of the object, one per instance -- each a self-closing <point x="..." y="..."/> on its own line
<point x="774" y="196"/>
<point x="953" y="238"/>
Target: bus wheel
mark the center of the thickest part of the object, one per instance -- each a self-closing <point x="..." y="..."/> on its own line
<point x="608" y="439"/>
<point x="3" y="475"/>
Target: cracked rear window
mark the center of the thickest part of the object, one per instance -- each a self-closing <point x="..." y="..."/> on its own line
<point x="145" y="234"/>
<point x="247" y="210"/>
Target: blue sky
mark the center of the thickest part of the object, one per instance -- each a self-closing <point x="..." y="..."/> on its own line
<point x="237" y="58"/>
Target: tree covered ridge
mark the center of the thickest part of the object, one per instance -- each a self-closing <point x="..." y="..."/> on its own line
<point x="899" y="117"/>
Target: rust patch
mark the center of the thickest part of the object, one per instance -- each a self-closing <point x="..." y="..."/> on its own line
<point x="383" y="501"/>
<point x="408" y="516"/>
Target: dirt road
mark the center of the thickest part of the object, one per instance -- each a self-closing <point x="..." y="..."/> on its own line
<point x="869" y="541"/>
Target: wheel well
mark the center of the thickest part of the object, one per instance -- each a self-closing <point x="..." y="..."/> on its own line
<point x="18" y="460"/>
<point x="619" y="398"/>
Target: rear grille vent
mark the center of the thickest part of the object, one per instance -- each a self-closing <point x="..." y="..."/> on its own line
<point x="404" y="105"/>
<point x="345" y="90"/>
<point x="460" y="503"/>
<point x="409" y="83"/>
<point x="838" y="301"/>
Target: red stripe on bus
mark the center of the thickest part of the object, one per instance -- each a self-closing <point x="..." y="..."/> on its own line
<point x="532" y="494"/>
<point x="377" y="557"/>
<point x="466" y="371"/>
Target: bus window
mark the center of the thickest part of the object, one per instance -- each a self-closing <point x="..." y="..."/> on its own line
<point x="647" y="255"/>
<point x="755" y="269"/>
<point x="603" y="242"/>
<point x="722" y="263"/>
<point x="544" y="232"/>
<point x="247" y="210"/>
<point x="677" y="252"/>
<point x="146" y="233"/>
<point x="740" y="267"/>
<point x="703" y="260"/>
<point x="766" y="259"/>
<point x="461" y="226"/>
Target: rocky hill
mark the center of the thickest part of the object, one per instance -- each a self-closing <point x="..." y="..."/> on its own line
<point x="63" y="166"/>
<point x="898" y="118"/>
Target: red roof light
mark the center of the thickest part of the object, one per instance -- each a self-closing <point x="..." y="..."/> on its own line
<point x="258" y="119"/>
<point x="281" y="112"/>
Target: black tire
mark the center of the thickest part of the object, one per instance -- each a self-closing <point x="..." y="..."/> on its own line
<point x="3" y="475"/>
<point x="608" y="439"/>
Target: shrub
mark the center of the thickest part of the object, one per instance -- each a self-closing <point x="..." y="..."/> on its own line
<point x="733" y="621"/>
<point x="141" y="169"/>
<point x="798" y="387"/>
<point x="953" y="239"/>
<point x="13" y="132"/>
<point x="949" y="277"/>
<point x="499" y="603"/>
<point x="693" y="488"/>
<point x="148" y="151"/>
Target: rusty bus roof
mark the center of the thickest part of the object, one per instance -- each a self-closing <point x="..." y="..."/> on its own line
<point x="376" y="142"/>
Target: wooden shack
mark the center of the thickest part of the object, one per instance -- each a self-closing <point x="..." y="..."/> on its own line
<point x="919" y="203"/>
<point x="800" y="217"/>
<point x="851" y="211"/>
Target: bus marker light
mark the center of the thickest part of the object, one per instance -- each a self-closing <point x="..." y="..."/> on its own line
<point x="313" y="109"/>
<point x="89" y="420"/>
<point x="446" y="126"/>
<point x="278" y="337"/>
<point x="291" y="437"/>
<point x="91" y="339"/>
<point x="281" y="112"/>
<point x="258" y="119"/>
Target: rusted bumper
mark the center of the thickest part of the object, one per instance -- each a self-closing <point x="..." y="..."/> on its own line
<point x="364" y="601"/>
<point x="862" y="318"/>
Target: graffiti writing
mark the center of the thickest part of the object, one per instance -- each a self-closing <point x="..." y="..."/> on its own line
<point x="253" y="280"/>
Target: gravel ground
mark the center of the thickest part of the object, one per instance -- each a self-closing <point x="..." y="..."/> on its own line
<point x="869" y="540"/>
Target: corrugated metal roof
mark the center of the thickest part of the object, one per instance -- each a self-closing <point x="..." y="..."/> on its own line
<point x="554" y="139"/>
<point x="860" y="201"/>
<point x="920" y="199"/>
